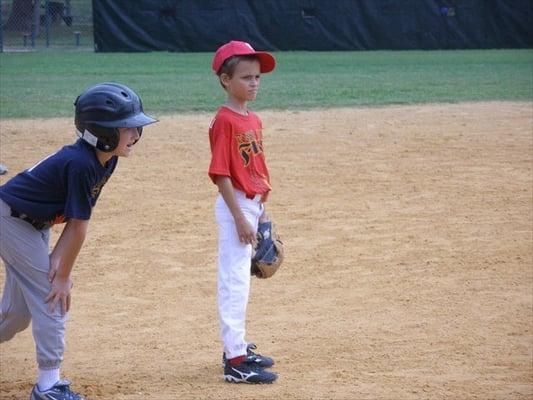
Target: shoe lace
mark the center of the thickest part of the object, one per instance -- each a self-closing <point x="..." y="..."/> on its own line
<point x="70" y="395"/>
<point x="250" y="354"/>
<point x="250" y="350"/>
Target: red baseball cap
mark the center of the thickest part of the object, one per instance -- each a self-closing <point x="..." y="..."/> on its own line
<point x="236" y="48"/>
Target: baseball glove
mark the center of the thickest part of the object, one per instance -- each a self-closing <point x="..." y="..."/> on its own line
<point x="268" y="252"/>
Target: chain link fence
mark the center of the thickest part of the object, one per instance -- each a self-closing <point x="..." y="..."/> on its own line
<point x="28" y="25"/>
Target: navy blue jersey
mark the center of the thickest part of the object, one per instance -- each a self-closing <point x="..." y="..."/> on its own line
<point x="64" y="185"/>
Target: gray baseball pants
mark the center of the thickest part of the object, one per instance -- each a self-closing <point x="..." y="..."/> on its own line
<point x="25" y="252"/>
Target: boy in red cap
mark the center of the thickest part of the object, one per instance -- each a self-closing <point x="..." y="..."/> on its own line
<point x="239" y="170"/>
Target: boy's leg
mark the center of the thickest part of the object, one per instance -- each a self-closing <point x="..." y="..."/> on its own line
<point x="234" y="275"/>
<point x="25" y="252"/>
<point x="14" y="313"/>
<point x="48" y="326"/>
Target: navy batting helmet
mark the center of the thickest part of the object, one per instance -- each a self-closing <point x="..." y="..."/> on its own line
<point x="105" y="107"/>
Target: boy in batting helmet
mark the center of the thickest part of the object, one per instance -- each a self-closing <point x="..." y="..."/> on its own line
<point x="62" y="188"/>
<point x="239" y="169"/>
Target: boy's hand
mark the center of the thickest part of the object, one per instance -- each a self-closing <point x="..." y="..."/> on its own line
<point x="245" y="231"/>
<point x="54" y="266"/>
<point x="60" y="293"/>
<point x="62" y="260"/>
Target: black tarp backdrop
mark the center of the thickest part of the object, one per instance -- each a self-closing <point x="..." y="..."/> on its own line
<point x="203" y="25"/>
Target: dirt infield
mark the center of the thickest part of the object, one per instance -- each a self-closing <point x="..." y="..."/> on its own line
<point x="409" y="268"/>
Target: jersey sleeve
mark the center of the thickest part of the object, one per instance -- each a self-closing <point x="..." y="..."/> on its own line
<point x="220" y="137"/>
<point x="78" y="201"/>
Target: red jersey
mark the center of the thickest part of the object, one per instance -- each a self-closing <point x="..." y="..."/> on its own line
<point x="237" y="151"/>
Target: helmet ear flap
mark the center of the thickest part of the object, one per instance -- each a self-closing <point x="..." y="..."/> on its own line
<point x="108" y="138"/>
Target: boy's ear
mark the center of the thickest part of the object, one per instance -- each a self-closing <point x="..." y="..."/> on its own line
<point x="224" y="79"/>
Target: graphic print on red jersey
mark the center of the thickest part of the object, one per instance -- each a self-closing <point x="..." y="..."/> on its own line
<point x="249" y="146"/>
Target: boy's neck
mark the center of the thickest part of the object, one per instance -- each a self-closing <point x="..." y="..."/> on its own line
<point x="103" y="157"/>
<point x="238" y="107"/>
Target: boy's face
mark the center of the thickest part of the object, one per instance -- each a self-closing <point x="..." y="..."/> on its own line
<point x="244" y="84"/>
<point x="128" y="137"/>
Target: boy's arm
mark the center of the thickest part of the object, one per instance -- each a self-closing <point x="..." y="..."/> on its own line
<point x="62" y="260"/>
<point x="244" y="229"/>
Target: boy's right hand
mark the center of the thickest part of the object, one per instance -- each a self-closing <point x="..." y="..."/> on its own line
<point x="246" y="232"/>
<point x="60" y="293"/>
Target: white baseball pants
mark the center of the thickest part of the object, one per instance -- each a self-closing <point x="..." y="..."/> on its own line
<point x="234" y="259"/>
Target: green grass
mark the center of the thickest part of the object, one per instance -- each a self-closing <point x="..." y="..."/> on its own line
<point x="45" y="83"/>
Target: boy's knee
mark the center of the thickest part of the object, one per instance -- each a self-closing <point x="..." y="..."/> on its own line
<point x="11" y="324"/>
